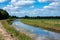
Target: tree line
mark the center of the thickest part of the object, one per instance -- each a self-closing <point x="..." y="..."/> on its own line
<point x="41" y="17"/>
<point x="4" y="15"/>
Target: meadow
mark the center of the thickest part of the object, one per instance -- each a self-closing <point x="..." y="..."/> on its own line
<point x="48" y="24"/>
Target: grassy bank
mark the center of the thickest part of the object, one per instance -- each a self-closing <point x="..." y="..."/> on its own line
<point x="10" y="20"/>
<point x="49" y="24"/>
<point x="14" y="32"/>
<point x="1" y="38"/>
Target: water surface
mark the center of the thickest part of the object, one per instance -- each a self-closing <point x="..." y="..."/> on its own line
<point x="34" y="32"/>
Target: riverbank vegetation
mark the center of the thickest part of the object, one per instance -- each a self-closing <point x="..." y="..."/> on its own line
<point x="6" y="21"/>
<point x="49" y="24"/>
<point x="14" y="32"/>
<point x="1" y="38"/>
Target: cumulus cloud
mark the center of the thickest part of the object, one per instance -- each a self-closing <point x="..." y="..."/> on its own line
<point x="16" y="6"/>
<point x="24" y="2"/>
<point x="1" y="1"/>
<point x="42" y="0"/>
<point x="49" y="0"/>
<point x="53" y="5"/>
<point x="52" y="9"/>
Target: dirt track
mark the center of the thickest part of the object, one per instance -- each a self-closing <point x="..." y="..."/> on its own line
<point x="5" y="34"/>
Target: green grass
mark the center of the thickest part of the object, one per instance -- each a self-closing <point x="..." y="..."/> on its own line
<point x="14" y="32"/>
<point x="10" y="20"/>
<point x="49" y="24"/>
<point x="1" y="38"/>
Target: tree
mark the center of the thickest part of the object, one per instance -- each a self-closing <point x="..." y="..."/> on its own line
<point x="26" y="16"/>
<point x="3" y="14"/>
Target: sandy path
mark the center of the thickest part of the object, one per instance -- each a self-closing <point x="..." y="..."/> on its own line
<point x="5" y="34"/>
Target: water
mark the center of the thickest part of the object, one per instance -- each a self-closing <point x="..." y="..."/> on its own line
<point x="34" y="32"/>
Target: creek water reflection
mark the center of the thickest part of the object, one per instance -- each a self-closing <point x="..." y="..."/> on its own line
<point x="34" y="32"/>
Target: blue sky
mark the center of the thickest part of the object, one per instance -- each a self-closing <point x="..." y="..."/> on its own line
<point x="31" y="7"/>
<point x="5" y="3"/>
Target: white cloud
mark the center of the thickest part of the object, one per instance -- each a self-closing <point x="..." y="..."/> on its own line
<point x="52" y="9"/>
<point x="42" y="0"/>
<point x="14" y="4"/>
<point x="53" y="4"/>
<point x="32" y="6"/>
<point x="17" y="4"/>
<point x="1" y="1"/>
<point x="22" y="2"/>
<point x="48" y="0"/>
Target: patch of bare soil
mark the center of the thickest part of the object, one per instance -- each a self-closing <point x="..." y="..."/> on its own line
<point x="5" y="34"/>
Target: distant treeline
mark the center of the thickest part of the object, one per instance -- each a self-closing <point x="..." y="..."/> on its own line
<point x="13" y="17"/>
<point x="43" y="17"/>
<point x="4" y="15"/>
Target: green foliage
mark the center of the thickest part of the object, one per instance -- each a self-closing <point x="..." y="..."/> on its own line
<point x="10" y="20"/>
<point x="3" y="14"/>
<point x="1" y="38"/>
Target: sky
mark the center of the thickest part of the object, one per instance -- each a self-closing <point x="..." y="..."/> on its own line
<point x="21" y="8"/>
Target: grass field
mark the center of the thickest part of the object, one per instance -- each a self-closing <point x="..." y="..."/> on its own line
<point x="49" y="24"/>
<point x="14" y="32"/>
<point x="1" y="38"/>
